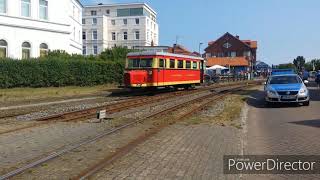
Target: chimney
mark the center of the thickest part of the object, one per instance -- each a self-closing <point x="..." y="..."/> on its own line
<point x="237" y="37"/>
<point x="174" y="48"/>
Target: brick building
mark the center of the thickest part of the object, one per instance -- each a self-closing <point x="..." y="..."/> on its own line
<point x="231" y="52"/>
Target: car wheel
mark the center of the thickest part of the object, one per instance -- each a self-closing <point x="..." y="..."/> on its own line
<point x="306" y="103"/>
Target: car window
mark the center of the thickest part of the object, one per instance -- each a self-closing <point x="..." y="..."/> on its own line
<point x="285" y="80"/>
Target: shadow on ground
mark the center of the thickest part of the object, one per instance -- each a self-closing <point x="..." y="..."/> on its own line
<point x="312" y="123"/>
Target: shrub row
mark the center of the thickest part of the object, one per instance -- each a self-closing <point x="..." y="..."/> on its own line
<point x="58" y="72"/>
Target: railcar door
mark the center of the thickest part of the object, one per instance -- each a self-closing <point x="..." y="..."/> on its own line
<point x="161" y="72"/>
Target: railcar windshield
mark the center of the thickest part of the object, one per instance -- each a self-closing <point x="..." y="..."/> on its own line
<point x="285" y="80"/>
<point x="140" y="63"/>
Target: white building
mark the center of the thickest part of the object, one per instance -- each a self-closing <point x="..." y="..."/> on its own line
<point x="127" y="25"/>
<point x="29" y="28"/>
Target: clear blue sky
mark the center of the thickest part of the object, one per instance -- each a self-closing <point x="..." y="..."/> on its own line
<point x="284" y="29"/>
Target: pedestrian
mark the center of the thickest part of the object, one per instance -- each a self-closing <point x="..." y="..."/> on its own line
<point x="318" y="79"/>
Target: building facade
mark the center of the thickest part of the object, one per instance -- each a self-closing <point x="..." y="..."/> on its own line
<point x="230" y="51"/>
<point x="29" y="28"/>
<point x="126" y="25"/>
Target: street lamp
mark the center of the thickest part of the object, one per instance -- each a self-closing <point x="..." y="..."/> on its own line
<point x="200" y="48"/>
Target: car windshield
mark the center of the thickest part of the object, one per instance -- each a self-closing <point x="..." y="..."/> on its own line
<point x="140" y="63"/>
<point x="285" y="80"/>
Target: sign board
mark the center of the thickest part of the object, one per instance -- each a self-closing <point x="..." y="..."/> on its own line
<point x="101" y="114"/>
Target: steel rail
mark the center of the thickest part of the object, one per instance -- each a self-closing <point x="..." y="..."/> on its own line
<point x="75" y="146"/>
<point x="114" y="107"/>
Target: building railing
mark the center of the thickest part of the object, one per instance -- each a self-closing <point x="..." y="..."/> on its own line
<point x="224" y="78"/>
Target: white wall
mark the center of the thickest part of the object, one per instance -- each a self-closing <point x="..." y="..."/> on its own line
<point x="105" y="27"/>
<point x="56" y="32"/>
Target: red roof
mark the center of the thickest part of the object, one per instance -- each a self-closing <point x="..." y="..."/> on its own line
<point x="252" y="44"/>
<point x="227" y="61"/>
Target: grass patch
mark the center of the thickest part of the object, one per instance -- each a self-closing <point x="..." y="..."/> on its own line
<point x="26" y="94"/>
<point x="225" y="112"/>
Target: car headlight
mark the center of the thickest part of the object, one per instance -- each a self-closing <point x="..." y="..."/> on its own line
<point x="303" y="91"/>
<point x="272" y="93"/>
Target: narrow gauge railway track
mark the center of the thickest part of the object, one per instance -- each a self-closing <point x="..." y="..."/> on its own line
<point x="114" y="108"/>
<point x="124" y="150"/>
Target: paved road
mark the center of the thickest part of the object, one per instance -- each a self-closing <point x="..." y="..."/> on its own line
<point x="284" y="130"/>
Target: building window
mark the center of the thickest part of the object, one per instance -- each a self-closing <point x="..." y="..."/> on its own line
<point x="247" y="53"/>
<point x="83" y="21"/>
<point x="25" y="8"/>
<point x="84" y="35"/>
<point x="108" y="11"/>
<point x="3" y="48"/>
<point x="43" y="9"/>
<point x="233" y="54"/>
<point x="94" y="21"/>
<point x="125" y="21"/>
<point x="84" y="50"/>
<point x="130" y="12"/>
<point x="93" y="13"/>
<point x="43" y="49"/>
<point x="95" y="35"/>
<point x="125" y="35"/>
<point x="26" y="50"/>
<point x="95" y="49"/>
<point x="74" y="33"/>
<point x="3" y="6"/>
<point x="113" y="36"/>
<point x="137" y="21"/>
<point x="113" y="22"/>
<point x="137" y="33"/>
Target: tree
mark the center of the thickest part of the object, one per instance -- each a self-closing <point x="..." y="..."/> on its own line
<point x="117" y="54"/>
<point x="286" y="66"/>
<point x="314" y="64"/>
<point x="299" y="62"/>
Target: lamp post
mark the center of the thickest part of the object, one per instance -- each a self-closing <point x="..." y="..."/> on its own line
<point x="200" y="44"/>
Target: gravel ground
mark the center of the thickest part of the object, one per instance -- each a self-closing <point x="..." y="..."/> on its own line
<point x="30" y="144"/>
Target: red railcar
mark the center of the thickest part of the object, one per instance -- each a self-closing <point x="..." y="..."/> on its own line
<point x="161" y="69"/>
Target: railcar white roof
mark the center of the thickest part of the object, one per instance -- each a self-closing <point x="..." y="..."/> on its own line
<point x="153" y="53"/>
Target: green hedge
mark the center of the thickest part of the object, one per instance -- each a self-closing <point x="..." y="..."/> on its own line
<point x="57" y="72"/>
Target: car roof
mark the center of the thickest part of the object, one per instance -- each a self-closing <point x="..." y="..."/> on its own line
<point x="284" y="75"/>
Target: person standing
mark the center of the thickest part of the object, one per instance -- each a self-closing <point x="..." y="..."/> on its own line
<point x="318" y="79"/>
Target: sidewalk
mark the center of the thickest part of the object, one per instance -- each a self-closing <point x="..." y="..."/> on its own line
<point x="179" y="152"/>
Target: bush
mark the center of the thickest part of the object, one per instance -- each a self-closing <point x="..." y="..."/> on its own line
<point x="57" y="71"/>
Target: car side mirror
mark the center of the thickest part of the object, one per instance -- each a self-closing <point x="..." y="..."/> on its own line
<point x="306" y="81"/>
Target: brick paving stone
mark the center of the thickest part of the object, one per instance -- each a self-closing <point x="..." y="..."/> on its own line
<point x="179" y="152"/>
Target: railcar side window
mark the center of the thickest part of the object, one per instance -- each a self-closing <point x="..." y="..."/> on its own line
<point x="161" y="63"/>
<point x="140" y="63"/>
<point x="180" y="63"/>
<point x="194" y="65"/>
<point x="172" y="63"/>
<point x="145" y="63"/>
<point x="188" y="64"/>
